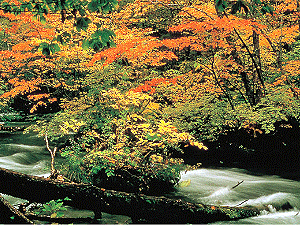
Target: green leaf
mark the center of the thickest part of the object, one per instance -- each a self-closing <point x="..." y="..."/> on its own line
<point x="37" y="213"/>
<point x="93" y="6"/>
<point x="59" y="205"/>
<point x="257" y="2"/>
<point x="6" y="7"/>
<point x="99" y="40"/>
<point x="29" y="7"/>
<point x="109" y="174"/>
<point x="60" y="39"/>
<point x="46" y="51"/>
<point x="221" y="5"/>
<point x="52" y="204"/>
<point x="110" y="6"/>
<point x="155" y="137"/>
<point x="96" y="45"/>
<point x="42" y="46"/>
<point x="85" y="44"/>
<point x="47" y="208"/>
<point x="63" y="208"/>
<point x="267" y="9"/>
<point x="107" y="8"/>
<point x="67" y="199"/>
<point x="99" y="25"/>
<point x="82" y="12"/>
<point x="54" y="48"/>
<point x="102" y="5"/>
<point x="114" y="2"/>
<point x="107" y="35"/>
<point x="59" y="214"/>
<point x="82" y="23"/>
<point x="236" y="7"/>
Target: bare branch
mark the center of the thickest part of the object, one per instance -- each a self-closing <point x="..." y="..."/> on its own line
<point x="237" y="184"/>
<point x="242" y="202"/>
<point x="52" y="153"/>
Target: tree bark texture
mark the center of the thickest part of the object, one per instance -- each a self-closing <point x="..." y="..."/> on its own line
<point x="139" y="207"/>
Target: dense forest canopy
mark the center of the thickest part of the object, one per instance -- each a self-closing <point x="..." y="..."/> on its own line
<point x="138" y="82"/>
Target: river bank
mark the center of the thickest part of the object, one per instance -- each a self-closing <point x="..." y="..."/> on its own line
<point x="276" y="153"/>
<point x="28" y="154"/>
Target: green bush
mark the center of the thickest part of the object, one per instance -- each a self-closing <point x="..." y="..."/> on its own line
<point x="209" y="117"/>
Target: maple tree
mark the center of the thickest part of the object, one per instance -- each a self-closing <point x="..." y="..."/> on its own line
<point x="54" y="74"/>
<point x="78" y="11"/>
<point x="234" y="53"/>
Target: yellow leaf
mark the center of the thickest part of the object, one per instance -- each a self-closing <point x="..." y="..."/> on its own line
<point x="184" y="183"/>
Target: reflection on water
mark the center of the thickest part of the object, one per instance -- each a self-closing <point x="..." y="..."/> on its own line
<point x="26" y="153"/>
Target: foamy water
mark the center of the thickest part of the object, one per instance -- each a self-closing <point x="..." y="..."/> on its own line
<point x="217" y="187"/>
<point x="27" y="154"/>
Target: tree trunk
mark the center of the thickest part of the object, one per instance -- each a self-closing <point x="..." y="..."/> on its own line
<point x="140" y="208"/>
<point x="298" y="11"/>
<point x="257" y="80"/>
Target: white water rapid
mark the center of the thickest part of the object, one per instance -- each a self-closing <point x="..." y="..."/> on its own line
<point x="28" y="154"/>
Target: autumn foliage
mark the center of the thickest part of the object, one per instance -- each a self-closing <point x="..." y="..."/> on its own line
<point x="140" y="81"/>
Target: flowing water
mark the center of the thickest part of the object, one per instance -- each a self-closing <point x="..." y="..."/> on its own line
<point x="237" y="187"/>
<point x="27" y="153"/>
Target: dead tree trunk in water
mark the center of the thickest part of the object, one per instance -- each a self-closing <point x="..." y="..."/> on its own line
<point x="140" y="208"/>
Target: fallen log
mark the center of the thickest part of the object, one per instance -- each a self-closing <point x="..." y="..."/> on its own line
<point x="60" y="220"/>
<point x="139" y="207"/>
<point x="9" y="214"/>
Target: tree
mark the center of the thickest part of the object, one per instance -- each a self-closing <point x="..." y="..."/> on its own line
<point x="78" y="11"/>
<point x="134" y="96"/>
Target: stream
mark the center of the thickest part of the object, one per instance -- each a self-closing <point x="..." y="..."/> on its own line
<point x="26" y="153"/>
